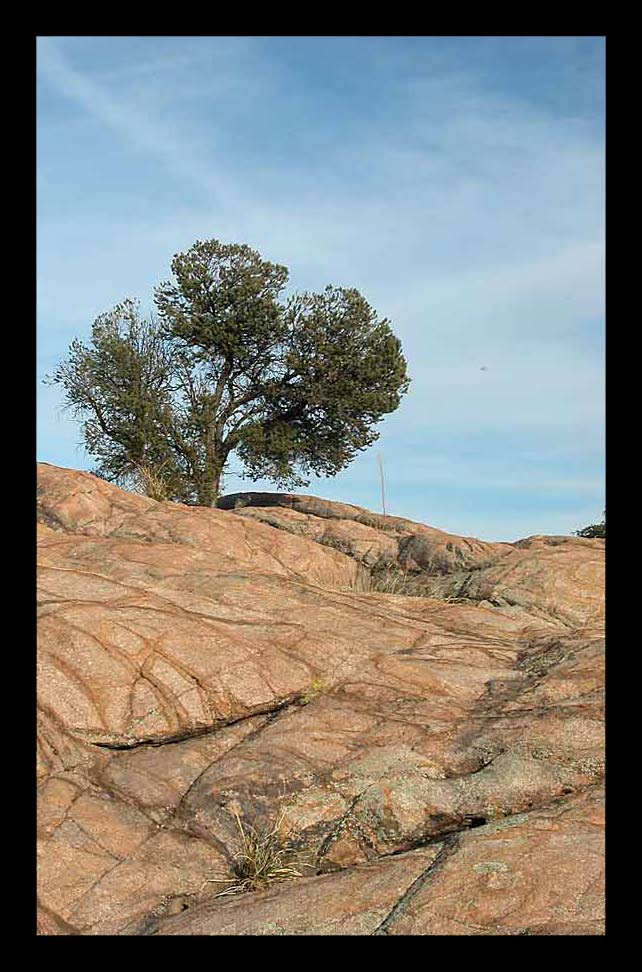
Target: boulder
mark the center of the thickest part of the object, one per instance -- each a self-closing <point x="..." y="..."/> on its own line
<point x="371" y="538"/>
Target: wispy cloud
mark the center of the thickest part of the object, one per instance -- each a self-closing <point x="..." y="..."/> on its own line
<point x="466" y="207"/>
<point x="167" y="144"/>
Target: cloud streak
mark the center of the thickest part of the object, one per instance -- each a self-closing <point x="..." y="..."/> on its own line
<point x="167" y="145"/>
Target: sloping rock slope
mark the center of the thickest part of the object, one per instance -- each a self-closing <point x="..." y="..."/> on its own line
<point x="435" y="766"/>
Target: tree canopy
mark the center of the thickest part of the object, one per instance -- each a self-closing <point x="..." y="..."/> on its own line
<point x="291" y="385"/>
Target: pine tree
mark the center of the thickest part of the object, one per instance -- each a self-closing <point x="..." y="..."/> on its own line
<point x="290" y="386"/>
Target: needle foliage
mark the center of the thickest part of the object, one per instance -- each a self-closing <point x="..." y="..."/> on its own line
<point x="229" y="365"/>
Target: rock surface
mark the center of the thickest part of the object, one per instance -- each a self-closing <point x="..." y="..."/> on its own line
<point x="370" y="538"/>
<point x="435" y="764"/>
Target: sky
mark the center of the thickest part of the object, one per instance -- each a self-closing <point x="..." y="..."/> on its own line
<point x="457" y="182"/>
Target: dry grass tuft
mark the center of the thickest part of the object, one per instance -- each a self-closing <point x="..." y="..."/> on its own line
<point x="152" y="481"/>
<point x="264" y="859"/>
<point x="394" y="579"/>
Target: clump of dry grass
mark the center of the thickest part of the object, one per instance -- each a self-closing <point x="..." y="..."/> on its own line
<point x="153" y="481"/>
<point x="264" y="859"/>
<point x="391" y="578"/>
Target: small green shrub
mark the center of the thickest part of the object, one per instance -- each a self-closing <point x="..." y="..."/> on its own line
<point x="316" y="687"/>
<point x="594" y="531"/>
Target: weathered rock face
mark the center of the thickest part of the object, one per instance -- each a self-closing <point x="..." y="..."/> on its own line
<point x="531" y="874"/>
<point x="555" y="579"/>
<point x="436" y="767"/>
<point x="370" y="538"/>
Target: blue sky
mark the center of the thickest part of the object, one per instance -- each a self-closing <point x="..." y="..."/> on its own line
<point x="458" y="182"/>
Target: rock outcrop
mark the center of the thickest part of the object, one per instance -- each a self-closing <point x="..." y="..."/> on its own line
<point x="435" y="764"/>
<point x="370" y="538"/>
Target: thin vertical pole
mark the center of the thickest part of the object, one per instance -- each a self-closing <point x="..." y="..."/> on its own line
<point x="383" y="484"/>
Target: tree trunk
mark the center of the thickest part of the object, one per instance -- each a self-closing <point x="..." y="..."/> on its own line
<point x="216" y="484"/>
<point x="208" y="489"/>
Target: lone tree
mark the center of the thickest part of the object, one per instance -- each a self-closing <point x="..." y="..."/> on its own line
<point x="291" y="386"/>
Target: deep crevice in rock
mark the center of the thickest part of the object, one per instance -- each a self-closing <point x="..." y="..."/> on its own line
<point x="202" y="731"/>
<point x="449" y="848"/>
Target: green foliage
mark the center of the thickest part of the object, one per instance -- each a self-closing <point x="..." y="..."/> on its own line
<point x="595" y="530"/>
<point x="291" y="386"/>
<point x="316" y="688"/>
<point x="119" y="385"/>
